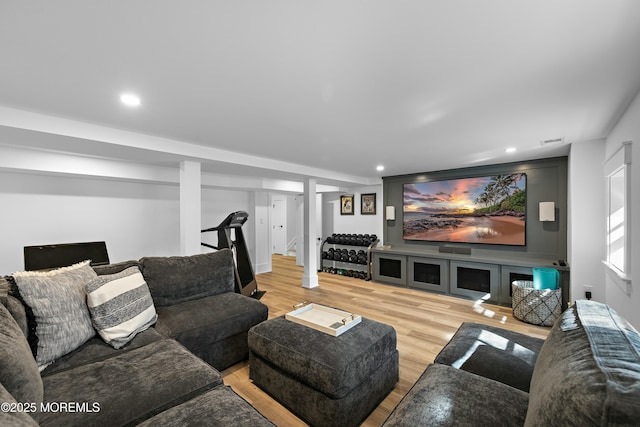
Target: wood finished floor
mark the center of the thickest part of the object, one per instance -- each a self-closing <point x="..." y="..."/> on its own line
<point x="423" y="321"/>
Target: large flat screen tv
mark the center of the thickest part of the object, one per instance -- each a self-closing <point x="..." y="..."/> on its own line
<point x="488" y="210"/>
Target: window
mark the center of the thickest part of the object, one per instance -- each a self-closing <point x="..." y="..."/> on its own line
<point x="618" y="175"/>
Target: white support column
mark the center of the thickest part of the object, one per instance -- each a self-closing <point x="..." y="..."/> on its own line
<point x="259" y="242"/>
<point x="310" y="276"/>
<point x="190" y="208"/>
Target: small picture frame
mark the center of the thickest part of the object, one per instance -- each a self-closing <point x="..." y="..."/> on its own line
<point x="346" y="205"/>
<point x="368" y="204"/>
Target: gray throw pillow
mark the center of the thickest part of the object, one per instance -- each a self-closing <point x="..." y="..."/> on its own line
<point x="58" y="301"/>
<point x="120" y="306"/>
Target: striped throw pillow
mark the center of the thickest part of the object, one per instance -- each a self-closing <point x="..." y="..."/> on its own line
<point x="120" y="306"/>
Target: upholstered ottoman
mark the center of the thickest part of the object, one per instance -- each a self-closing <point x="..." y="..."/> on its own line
<point x="323" y="379"/>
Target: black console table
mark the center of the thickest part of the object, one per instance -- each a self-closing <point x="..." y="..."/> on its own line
<point x="470" y="276"/>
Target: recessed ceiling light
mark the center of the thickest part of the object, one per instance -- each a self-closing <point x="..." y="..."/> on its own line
<point x="510" y="150"/>
<point x="379" y="168"/>
<point x="130" y="99"/>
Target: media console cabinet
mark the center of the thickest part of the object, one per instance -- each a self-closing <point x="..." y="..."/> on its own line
<point x="469" y="276"/>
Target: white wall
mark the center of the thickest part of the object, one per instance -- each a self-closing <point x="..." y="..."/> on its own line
<point x="135" y="219"/>
<point x="333" y="222"/>
<point x="217" y="204"/>
<point x="586" y="216"/>
<point x="628" y="129"/>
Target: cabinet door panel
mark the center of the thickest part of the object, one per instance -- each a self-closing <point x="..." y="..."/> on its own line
<point x="475" y="280"/>
<point x="429" y="274"/>
<point x="390" y="269"/>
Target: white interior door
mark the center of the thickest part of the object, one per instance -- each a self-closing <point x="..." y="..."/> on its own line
<point x="279" y="226"/>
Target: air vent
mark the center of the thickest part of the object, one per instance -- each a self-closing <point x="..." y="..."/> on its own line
<point x="554" y="141"/>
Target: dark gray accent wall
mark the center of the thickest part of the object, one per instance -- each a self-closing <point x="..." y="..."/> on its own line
<point x="546" y="182"/>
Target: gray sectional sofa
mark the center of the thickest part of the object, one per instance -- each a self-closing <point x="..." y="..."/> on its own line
<point x="587" y="372"/>
<point x="163" y="372"/>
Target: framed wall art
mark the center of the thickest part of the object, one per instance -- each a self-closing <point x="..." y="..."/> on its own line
<point x="346" y="205"/>
<point x="368" y="204"/>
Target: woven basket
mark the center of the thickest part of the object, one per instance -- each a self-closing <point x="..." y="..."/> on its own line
<point x="538" y="307"/>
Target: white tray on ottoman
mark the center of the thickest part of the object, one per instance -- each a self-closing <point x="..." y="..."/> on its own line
<point x="325" y="319"/>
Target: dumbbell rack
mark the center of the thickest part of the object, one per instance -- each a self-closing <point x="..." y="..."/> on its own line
<point x="342" y="258"/>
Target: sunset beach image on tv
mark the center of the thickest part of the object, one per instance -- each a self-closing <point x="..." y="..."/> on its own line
<point x="490" y="210"/>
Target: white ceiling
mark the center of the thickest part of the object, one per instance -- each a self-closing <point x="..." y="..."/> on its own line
<point x="324" y="88"/>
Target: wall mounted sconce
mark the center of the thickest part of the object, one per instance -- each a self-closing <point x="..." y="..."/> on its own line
<point x="547" y="211"/>
<point x="390" y="213"/>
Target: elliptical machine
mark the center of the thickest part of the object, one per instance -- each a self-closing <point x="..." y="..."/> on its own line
<point x="245" y="278"/>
